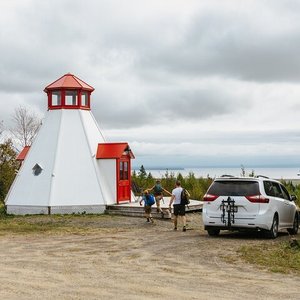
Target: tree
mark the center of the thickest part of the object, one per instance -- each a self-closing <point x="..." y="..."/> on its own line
<point x="168" y="180"/>
<point x="142" y="173"/>
<point x="8" y="167"/>
<point x="243" y="174"/>
<point x="252" y="174"/>
<point x="134" y="174"/>
<point x="181" y="179"/>
<point x="27" y="124"/>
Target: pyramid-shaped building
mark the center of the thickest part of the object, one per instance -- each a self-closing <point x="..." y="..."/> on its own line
<point x="70" y="168"/>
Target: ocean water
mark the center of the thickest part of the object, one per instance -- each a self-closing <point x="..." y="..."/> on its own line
<point x="276" y="173"/>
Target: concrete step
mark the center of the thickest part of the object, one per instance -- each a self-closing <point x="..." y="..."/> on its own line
<point x="135" y="212"/>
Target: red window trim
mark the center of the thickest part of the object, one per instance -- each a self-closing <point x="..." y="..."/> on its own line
<point x="63" y="100"/>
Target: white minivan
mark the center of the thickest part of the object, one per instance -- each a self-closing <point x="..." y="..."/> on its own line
<point x="258" y="203"/>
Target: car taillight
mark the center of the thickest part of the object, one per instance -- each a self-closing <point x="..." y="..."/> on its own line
<point x="258" y="199"/>
<point x="209" y="197"/>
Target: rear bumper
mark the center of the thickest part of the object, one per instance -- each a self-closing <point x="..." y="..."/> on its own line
<point x="238" y="224"/>
<point x="261" y="221"/>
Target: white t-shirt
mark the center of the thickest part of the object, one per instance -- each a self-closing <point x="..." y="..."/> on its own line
<point x="177" y="193"/>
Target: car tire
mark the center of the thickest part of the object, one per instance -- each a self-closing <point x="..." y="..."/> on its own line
<point x="295" y="228"/>
<point x="213" y="231"/>
<point x="273" y="232"/>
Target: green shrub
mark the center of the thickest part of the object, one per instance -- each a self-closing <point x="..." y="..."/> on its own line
<point x="197" y="187"/>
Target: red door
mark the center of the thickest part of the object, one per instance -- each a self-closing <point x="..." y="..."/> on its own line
<point x="123" y="179"/>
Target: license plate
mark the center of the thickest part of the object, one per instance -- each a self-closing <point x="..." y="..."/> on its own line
<point x="230" y="208"/>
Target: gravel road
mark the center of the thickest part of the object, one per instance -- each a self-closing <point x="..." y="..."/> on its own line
<point x="126" y="258"/>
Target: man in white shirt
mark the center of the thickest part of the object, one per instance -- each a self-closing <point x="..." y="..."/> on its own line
<point x="179" y="209"/>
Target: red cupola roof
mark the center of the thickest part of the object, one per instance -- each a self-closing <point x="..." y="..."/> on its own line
<point x="69" y="92"/>
<point x="68" y="81"/>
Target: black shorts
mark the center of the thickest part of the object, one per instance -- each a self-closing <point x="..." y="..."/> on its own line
<point x="179" y="210"/>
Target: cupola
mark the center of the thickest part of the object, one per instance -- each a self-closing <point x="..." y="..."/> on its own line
<point x="69" y="92"/>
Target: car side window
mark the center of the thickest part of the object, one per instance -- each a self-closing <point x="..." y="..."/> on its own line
<point x="268" y="188"/>
<point x="273" y="189"/>
<point x="285" y="193"/>
<point x="276" y="190"/>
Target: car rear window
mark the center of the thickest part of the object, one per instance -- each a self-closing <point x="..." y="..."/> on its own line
<point x="234" y="188"/>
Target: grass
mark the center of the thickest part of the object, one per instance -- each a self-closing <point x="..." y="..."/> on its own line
<point x="277" y="257"/>
<point x="74" y="224"/>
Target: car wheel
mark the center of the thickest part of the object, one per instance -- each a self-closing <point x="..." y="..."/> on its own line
<point x="273" y="232"/>
<point x="295" y="228"/>
<point x="213" y="232"/>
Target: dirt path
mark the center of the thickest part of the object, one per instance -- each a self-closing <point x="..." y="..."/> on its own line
<point x="124" y="258"/>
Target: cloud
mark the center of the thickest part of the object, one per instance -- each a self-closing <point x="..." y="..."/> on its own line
<point x="246" y="43"/>
<point x="209" y="75"/>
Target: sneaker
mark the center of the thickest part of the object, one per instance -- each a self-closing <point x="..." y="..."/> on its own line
<point x="151" y="219"/>
<point x="184" y="228"/>
<point x="175" y="228"/>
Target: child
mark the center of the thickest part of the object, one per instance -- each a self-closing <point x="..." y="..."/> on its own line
<point x="148" y="202"/>
<point x="158" y="194"/>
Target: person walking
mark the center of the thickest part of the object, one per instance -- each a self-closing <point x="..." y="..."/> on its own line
<point x="148" y="202"/>
<point x="179" y="209"/>
<point x="158" y="194"/>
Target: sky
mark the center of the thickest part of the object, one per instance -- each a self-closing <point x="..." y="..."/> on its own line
<point x="186" y="83"/>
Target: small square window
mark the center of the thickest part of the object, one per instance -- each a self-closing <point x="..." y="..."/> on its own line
<point x="56" y="98"/>
<point x="71" y="98"/>
<point x="84" y="99"/>
<point x="37" y="170"/>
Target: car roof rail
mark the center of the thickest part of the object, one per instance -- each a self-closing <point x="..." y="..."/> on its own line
<point x="228" y="176"/>
<point x="262" y="176"/>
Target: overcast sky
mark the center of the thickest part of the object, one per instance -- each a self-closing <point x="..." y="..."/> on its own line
<point x="186" y="83"/>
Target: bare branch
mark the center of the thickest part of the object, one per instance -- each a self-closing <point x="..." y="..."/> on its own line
<point x="27" y="124"/>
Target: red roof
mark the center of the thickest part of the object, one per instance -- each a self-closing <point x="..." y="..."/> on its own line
<point x="68" y="81"/>
<point x="23" y="153"/>
<point x="113" y="150"/>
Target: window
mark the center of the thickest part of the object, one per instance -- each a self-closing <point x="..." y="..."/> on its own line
<point x="71" y="98"/>
<point x="124" y="170"/>
<point x="84" y="99"/>
<point x="285" y="193"/>
<point x="273" y="189"/>
<point x="37" y="170"/>
<point x="56" y="98"/>
<point x="121" y="170"/>
<point x="268" y="188"/>
<point x="234" y="188"/>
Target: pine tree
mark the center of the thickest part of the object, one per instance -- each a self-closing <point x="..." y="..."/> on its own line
<point x="142" y="173"/>
<point x="133" y="176"/>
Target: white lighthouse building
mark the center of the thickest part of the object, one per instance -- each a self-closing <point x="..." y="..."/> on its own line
<point x="70" y="168"/>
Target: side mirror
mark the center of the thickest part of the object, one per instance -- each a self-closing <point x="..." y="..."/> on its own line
<point x="293" y="197"/>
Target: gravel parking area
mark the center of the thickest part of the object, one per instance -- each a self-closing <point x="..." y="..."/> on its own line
<point x="127" y="258"/>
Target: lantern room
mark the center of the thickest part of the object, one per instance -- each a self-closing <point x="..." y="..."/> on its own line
<point x="69" y="92"/>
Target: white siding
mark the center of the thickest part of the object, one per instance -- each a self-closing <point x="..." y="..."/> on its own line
<point x="108" y="178"/>
<point x="72" y="179"/>
<point x="35" y="190"/>
<point x="74" y="176"/>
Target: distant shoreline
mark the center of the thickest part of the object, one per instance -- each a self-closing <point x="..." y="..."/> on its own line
<point x="287" y="174"/>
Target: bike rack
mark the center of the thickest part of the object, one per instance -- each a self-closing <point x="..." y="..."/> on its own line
<point x="228" y="209"/>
